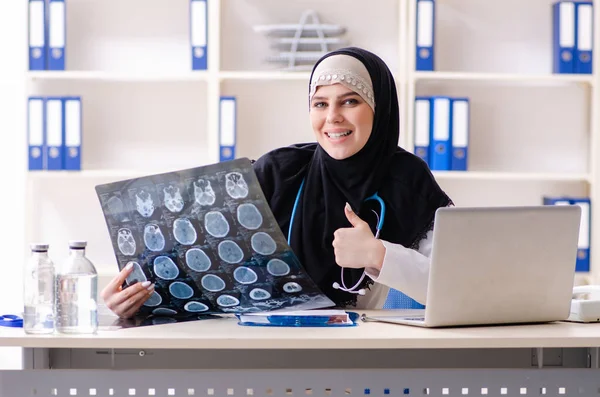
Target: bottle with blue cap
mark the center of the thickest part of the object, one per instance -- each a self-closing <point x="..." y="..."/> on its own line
<point x="76" y="293"/>
<point x="38" y="289"/>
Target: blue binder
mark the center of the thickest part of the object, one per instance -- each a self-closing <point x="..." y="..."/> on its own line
<point x="425" y="36"/>
<point x="563" y="26"/>
<point x="37" y="35"/>
<point x="583" y="245"/>
<point x="422" y="127"/>
<point x="199" y="33"/>
<point x="556" y="201"/>
<point x="584" y="16"/>
<point x="441" y="134"/>
<point x="56" y="34"/>
<point x="54" y="133"/>
<point x="460" y="134"/>
<point x="35" y="133"/>
<point x="72" y="136"/>
<point x="227" y="128"/>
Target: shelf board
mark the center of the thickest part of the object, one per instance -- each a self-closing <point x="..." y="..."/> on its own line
<point x="262" y="75"/>
<point x="511" y="176"/>
<point x="504" y="77"/>
<point x="169" y="77"/>
<point x="119" y="76"/>
<point x="446" y="175"/>
<point x="90" y="174"/>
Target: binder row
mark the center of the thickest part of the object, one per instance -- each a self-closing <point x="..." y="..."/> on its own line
<point x="47" y="34"/>
<point x="54" y="133"/>
<point x="442" y="132"/>
<point x="55" y="125"/>
<point x="573" y="32"/>
<point x="583" y="250"/>
<point x="572" y="41"/>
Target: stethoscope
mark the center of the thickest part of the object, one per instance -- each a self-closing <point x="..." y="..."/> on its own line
<point x="380" y="219"/>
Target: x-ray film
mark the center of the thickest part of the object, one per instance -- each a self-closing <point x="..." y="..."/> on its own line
<point x="208" y="240"/>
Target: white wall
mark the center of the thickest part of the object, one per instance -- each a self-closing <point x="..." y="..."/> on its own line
<point x="13" y="37"/>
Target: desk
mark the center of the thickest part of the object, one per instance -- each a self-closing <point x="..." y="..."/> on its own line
<point x="217" y="357"/>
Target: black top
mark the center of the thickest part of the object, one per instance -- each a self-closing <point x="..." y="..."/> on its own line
<point x="401" y="179"/>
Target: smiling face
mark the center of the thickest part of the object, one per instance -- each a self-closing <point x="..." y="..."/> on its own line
<point x="341" y="120"/>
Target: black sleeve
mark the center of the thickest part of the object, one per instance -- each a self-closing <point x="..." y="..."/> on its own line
<point x="264" y="174"/>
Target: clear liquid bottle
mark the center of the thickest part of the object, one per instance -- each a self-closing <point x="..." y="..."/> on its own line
<point x="38" y="290"/>
<point x="76" y="293"/>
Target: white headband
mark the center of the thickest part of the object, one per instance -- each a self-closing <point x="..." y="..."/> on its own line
<point x="346" y="70"/>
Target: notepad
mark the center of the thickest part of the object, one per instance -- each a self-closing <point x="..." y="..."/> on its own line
<point x="300" y="318"/>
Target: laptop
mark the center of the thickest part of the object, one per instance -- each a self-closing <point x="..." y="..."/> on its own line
<point x="498" y="265"/>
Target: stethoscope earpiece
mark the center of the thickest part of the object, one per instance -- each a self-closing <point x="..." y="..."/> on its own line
<point x="361" y="291"/>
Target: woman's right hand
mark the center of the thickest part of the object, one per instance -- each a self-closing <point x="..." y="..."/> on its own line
<point x="126" y="302"/>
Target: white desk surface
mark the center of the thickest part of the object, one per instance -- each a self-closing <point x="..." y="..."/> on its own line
<point x="225" y="333"/>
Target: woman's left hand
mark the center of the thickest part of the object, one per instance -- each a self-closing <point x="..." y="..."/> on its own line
<point x="356" y="246"/>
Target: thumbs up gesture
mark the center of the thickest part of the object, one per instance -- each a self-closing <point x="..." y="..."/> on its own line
<point x="356" y="246"/>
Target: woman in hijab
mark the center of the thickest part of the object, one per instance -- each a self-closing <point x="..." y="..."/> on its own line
<point x="320" y="192"/>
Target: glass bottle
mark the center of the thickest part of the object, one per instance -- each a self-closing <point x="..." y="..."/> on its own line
<point x="76" y="293"/>
<point x="38" y="290"/>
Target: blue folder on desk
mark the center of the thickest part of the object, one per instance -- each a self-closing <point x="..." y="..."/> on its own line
<point x="300" y="318"/>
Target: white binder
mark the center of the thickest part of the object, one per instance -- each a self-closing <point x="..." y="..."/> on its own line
<point x="56" y="34"/>
<point x="54" y="133"/>
<point x="227" y="128"/>
<point x="35" y="132"/>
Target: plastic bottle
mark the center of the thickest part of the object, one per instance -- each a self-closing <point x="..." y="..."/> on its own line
<point x="38" y="290"/>
<point x="76" y="293"/>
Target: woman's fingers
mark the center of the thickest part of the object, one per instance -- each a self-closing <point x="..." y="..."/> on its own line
<point x="136" y="302"/>
<point x="115" y="284"/>
<point x="121" y="301"/>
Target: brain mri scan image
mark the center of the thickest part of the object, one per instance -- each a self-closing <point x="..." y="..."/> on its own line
<point x="197" y="260"/>
<point x="235" y="185"/>
<point x="184" y="231"/>
<point x="126" y="242"/>
<point x="153" y="238"/>
<point x="249" y="216"/>
<point x="208" y="241"/>
<point x="144" y="204"/>
<point x="173" y="198"/>
<point x="216" y="224"/>
<point x="203" y="193"/>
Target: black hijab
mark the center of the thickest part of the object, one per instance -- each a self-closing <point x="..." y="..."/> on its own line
<point x="401" y="179"/>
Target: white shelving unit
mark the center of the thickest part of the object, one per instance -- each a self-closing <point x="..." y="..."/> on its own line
<point x="533" y="133"/>
<point x="144" y="111"/>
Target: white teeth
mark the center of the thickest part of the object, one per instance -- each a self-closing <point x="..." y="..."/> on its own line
<point x="341" y="134"/>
